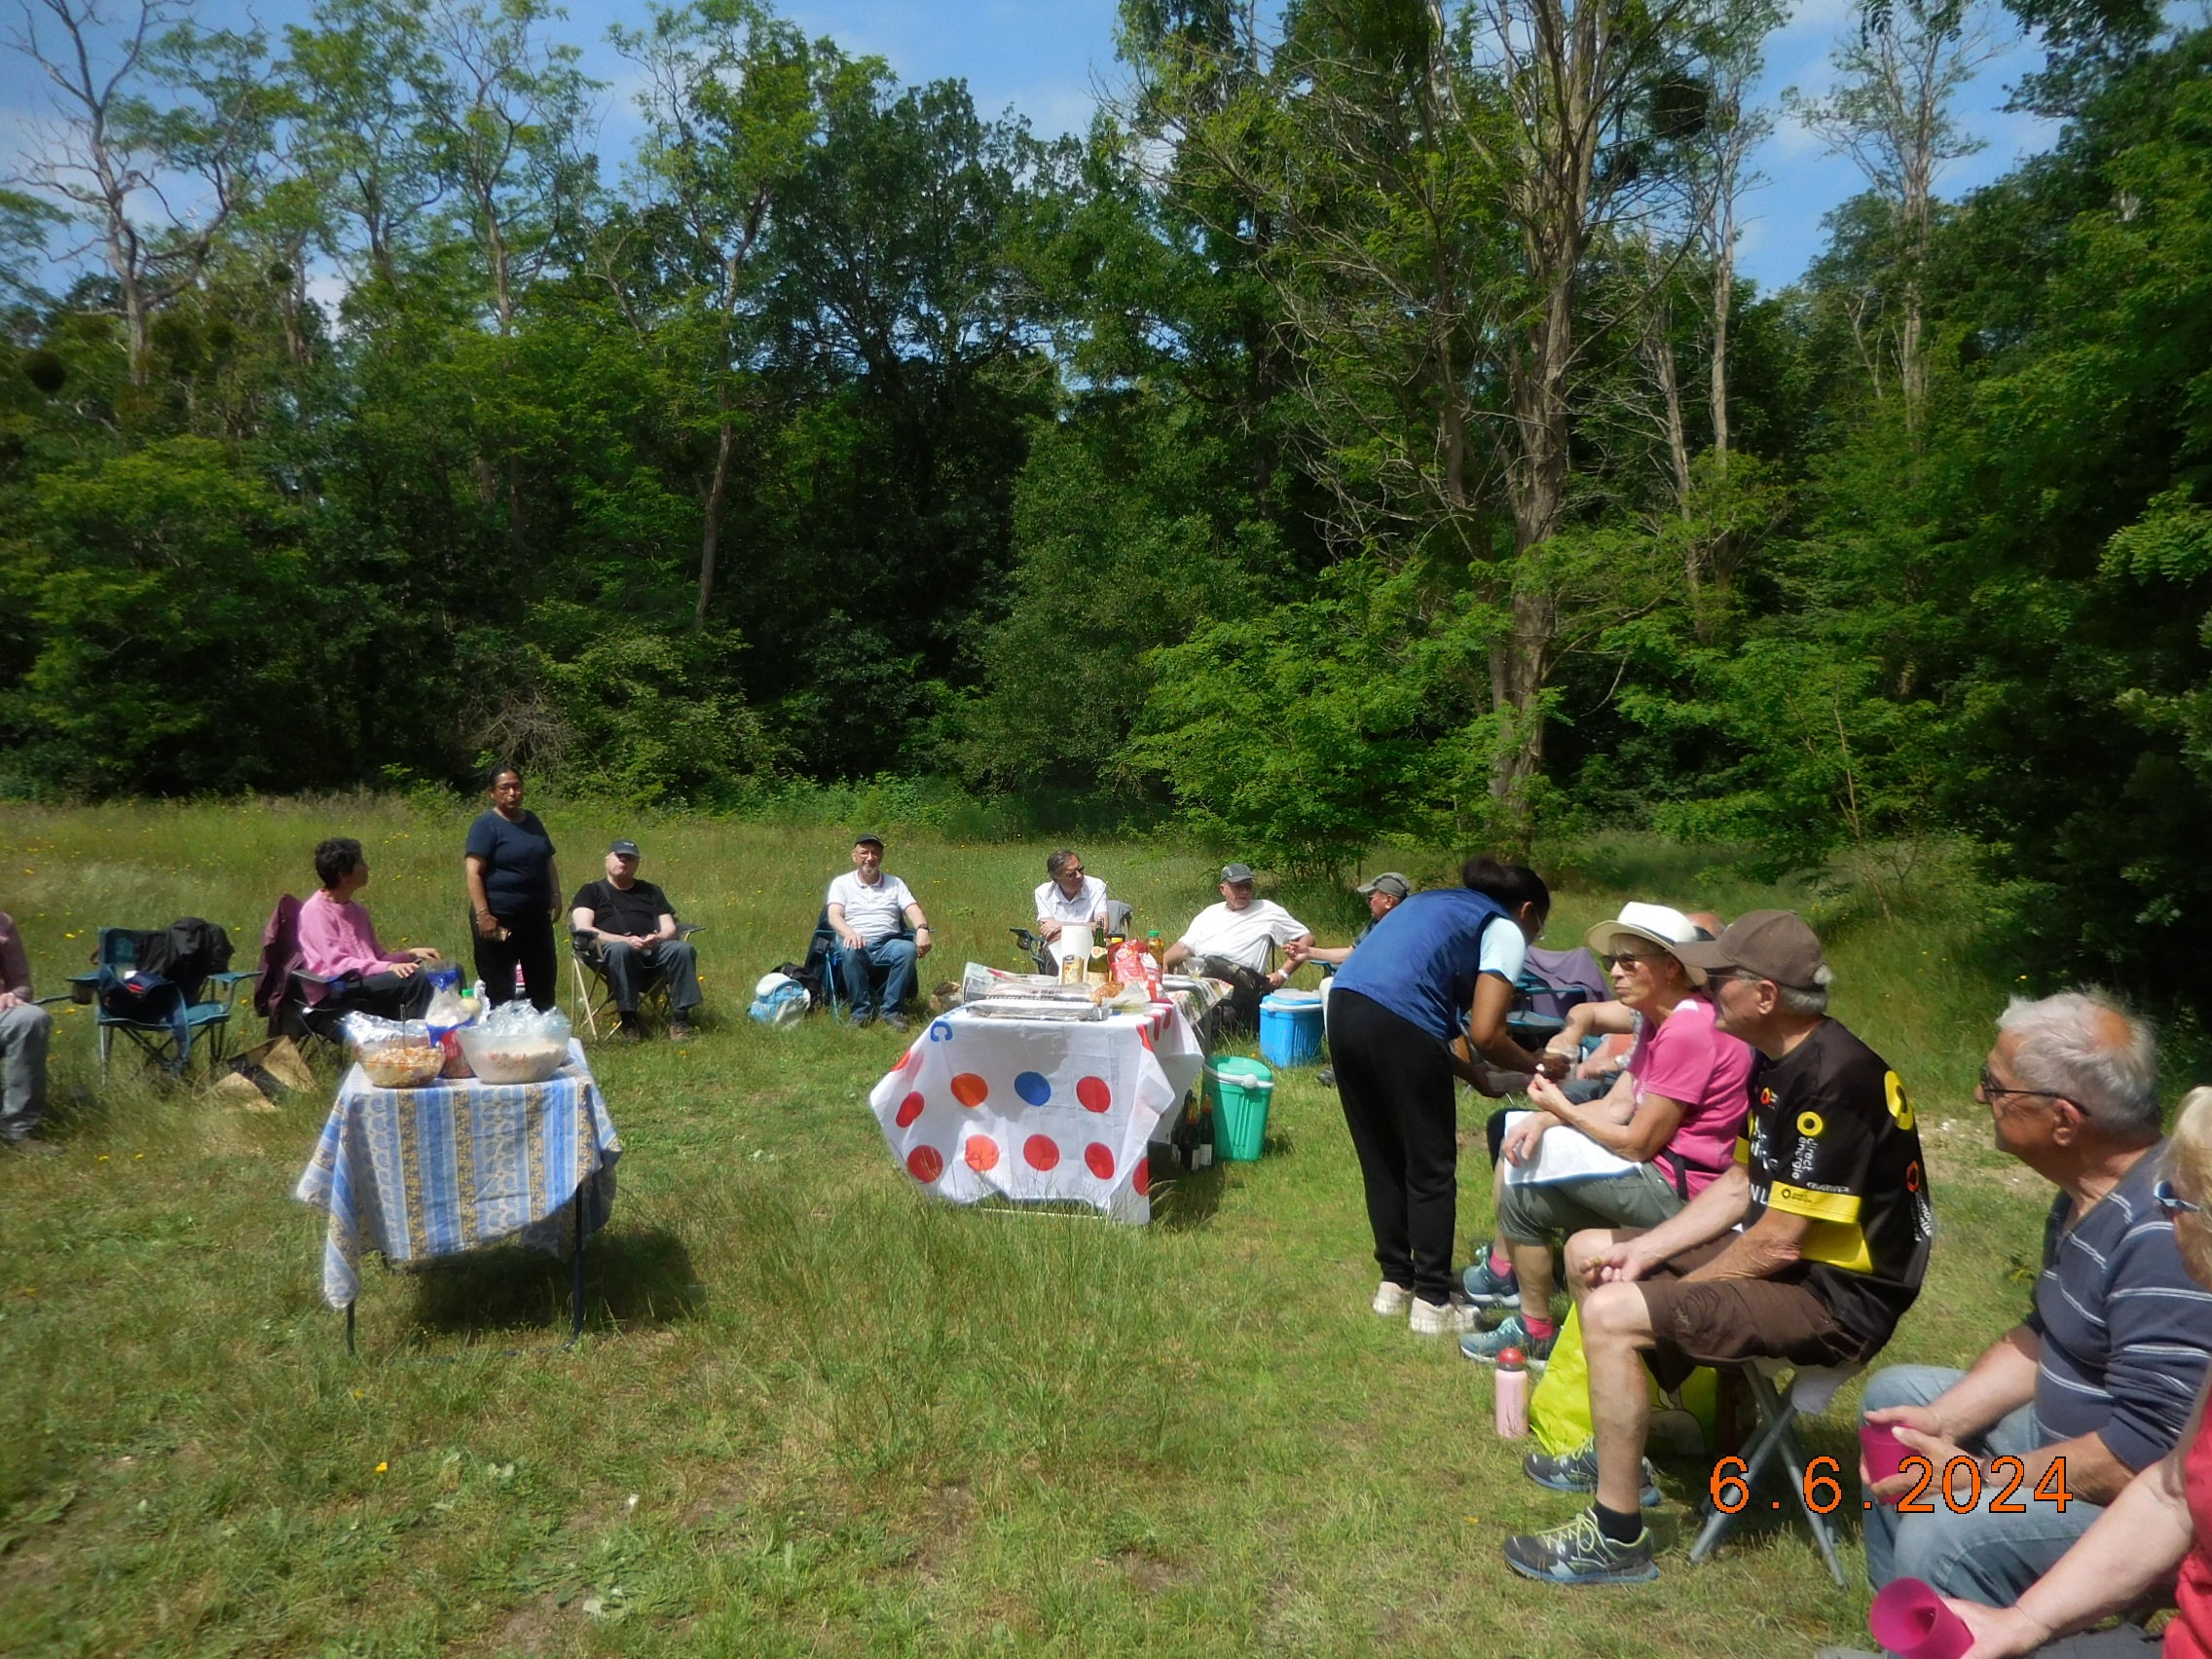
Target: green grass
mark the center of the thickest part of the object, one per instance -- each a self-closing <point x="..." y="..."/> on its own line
<point x="814" y="1413"/>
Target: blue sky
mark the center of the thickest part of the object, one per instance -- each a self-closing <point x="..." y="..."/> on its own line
<point x="1048" y="59"/>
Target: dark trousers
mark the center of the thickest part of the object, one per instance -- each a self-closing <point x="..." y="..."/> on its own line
<point x="387" y="996"/>
<point x="629" y="969"/>
<point x="1396" y="1087"/>
<point x="1237" y="1014"/>
<point x="529" y="943"/>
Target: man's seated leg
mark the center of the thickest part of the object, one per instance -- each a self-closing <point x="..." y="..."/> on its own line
<point x="1984" y="1556"/>
<point x="677" y="960"/>
<point x="386" y="995"/>
<point x="858" y="975"/>
<point x="1530" y="1216"/>
<point x="24" y="1031"/>
<point x="625" y="966"/>
<point x="893" y="960"/>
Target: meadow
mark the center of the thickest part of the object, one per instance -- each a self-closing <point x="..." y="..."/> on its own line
<point x="813" y="1413"/>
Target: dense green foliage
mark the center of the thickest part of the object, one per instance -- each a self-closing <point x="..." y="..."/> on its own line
<point x="1318" y="452"/>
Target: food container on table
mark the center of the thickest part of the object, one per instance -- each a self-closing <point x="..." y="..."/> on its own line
<point x="511" y="1056"/>
<point x="405" y="1060"/>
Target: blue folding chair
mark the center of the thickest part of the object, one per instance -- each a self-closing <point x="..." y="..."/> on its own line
<point x="168" y="1030"/>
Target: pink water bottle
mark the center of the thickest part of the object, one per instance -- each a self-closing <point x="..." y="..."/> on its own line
<point x="1512" y="1394"/>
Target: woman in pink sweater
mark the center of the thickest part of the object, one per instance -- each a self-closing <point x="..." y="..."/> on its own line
<point x="339" y="942"/>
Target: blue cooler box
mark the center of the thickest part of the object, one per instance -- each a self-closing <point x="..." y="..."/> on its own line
<point x="1290" y="1028"/>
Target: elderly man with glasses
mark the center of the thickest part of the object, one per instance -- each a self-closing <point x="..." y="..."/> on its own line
<point x="2096" y="1382"/>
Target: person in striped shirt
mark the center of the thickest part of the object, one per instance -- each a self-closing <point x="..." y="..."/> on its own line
<point x="2097" y="1381"/>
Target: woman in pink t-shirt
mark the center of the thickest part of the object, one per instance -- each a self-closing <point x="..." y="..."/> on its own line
<point x="338" y="942"/>
<point x="1636" y="1156"/>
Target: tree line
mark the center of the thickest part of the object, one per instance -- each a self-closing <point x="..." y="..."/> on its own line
<point x="1362" y="432"/>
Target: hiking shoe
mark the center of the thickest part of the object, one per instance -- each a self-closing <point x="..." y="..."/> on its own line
<point x="1577" y="1471"/>
<point x="1487" y="1289"/>
<point x="33" y="1145"/>
<point x="1326" y="1077"/>
<point x="1485" y="1346"/>
<point x="627" y="1031"/>
<point x="1578" y="1552"/>
<point x="680" y="1030"/>
<point x="899" y="1022"/>
<point x="1442" y="1320"/>
<point x="1392" y="1300"/>
<point x="862" y="1020"/>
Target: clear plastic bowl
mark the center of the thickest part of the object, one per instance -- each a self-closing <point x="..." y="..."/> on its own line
<point x="400" y="1065"/>
<point x="509" y="1059"/>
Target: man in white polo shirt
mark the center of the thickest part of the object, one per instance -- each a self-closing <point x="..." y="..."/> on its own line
<point x="868" y="911"/>
<point x="1069" y="896"/>
<point x="1236" y="941"/>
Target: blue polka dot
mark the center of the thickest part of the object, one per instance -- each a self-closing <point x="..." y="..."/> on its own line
<point x="1033" y="1087"/>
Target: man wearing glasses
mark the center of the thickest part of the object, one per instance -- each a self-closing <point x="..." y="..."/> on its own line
<point x="1069" y="896"/>
<point x="2097" y="1380"/>
<point x="1808" y="1249"/>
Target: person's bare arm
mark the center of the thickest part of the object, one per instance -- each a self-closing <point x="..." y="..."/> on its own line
<point x="479" y="904"/>
<point x="2133" y="1547"/>
<point x="921" y="924"/>
<point x="1649" y="1125"/>
<point x="1176" y="953"/>
<point x="585" y="920"/>
<point x="838" y="926"/>
<point x="667" y="928"/>
<point x="1774" y="1241"/>
<point x="553" y="883"/>
<point x="1705" y="1218"/>
<point x="1487" y="1032"/>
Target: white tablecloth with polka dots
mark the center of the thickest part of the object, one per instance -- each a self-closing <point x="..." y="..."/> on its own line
<point x="1038" y="1109"/>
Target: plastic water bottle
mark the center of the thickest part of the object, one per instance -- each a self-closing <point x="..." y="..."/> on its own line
<point x="1512" y="1394"/>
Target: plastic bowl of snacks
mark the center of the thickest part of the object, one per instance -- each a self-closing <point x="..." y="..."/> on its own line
<point x="511" y="1056"/>
<point x="405" y="1063"/>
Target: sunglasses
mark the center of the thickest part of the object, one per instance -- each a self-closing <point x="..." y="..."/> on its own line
<point x="2171" y="1203"/>
<point x="1627" y="960"/>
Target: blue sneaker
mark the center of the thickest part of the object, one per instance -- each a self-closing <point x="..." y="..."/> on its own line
<point x="1578" y="1552"/>
<point x="1577" y="1471"/>
<point x="1487" y="1289"/>
<point x="1484" y="1347"/>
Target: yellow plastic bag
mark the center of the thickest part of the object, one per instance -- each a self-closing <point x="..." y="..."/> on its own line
<point x="1559" y="1406"/>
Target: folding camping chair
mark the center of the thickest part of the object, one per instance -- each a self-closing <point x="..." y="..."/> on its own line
<point x="594" y="993"/>
<point x="287" y="995"/>
<point x="1551" y="982"/>
<point x="167" y="1030"/>
<point x="1811" y="1389"/>
<point x="825" y="961"/>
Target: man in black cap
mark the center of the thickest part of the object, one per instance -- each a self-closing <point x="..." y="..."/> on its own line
<point x="632" y="926"/>
<point x="872" y="911"/>
<point x="1236" y="941"/>
<point x="1831" y="1194"/>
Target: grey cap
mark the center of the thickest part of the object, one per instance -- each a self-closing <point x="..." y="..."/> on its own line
<point x="1390" y="882"/>
<point x="869" y="838"/>
<point x="627" y="848"/>
<point x="1237" y="872"/>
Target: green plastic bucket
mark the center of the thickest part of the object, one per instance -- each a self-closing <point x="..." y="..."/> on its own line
<point x="1240" y="1091"/>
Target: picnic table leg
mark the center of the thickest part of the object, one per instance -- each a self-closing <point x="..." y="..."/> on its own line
<point x="577" y="1273"/>
<point x="351" y="1353"/>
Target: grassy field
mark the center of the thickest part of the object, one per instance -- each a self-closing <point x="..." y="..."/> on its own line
<point x="814" y="1413"/>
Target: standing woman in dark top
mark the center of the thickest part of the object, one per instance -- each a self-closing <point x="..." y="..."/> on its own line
<point x="513" y="896"/>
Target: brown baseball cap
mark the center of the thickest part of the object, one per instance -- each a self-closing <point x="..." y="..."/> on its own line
<point x="1773" y="944"/>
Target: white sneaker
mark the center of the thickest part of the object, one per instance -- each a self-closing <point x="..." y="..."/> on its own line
<point x="1452" y="1318"/>
<point x="1391" y="1300"/>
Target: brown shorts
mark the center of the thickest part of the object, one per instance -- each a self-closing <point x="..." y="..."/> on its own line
<point x="1728" y="1322"/>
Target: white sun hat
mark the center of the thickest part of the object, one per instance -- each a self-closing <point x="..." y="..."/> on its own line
<point x="1640" y="923"/>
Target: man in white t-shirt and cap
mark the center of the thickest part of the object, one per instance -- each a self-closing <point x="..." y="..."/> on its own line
<point x="869" y="910"/>
<point x="1236" y="941"/>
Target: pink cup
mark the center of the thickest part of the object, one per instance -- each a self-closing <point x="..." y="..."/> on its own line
<point x="1909" y="1619"/>
<point x="1884" y="1453"/>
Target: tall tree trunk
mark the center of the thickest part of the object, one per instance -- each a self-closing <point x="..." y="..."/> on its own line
<point x="718" y="491"/>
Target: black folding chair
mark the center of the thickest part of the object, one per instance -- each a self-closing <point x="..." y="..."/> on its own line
<point x="595" y="992"/>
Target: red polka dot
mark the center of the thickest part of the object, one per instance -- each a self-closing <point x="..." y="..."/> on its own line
<point x="909" y="1109"/>
<point x="925" y="1164"/>
<point x="970" y="1089"/>
<point x="1142" y="1179"/>
<point x="981" y="1154"/>
<point x="909" y="1060"/>
<point x="1042" y="1152"/>
<point x="1100" y="1160"/>
<point x="1094" y="1093"/>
